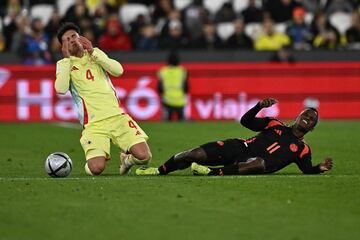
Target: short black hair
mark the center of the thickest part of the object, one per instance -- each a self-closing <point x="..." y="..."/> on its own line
<point x="65" y="27"/>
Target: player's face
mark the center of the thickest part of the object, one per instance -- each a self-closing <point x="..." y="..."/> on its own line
<point x="306" y="120"/>
<point x="72" y="37"/>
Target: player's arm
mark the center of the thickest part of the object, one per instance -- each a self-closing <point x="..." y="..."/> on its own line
<point x="305" y="165"/>
<point x="62" y="81"/>
<point x="249" y="119"/>
<point x="110" y="65"/>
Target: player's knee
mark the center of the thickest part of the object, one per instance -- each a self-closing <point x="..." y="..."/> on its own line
<point x="95" y="166"/>
<point x="193" y="155"/>
<point x="197" y="154"/>
<point x="143" y="157"/>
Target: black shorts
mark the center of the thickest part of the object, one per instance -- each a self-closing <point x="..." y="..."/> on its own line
<point x="225" y="152"/>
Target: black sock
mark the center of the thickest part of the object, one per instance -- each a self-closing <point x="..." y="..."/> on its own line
<point x="168" y="166"/>
<point x="226" y="170"/>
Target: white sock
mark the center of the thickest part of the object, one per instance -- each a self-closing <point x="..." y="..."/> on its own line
<point x="87" y="170"/>
<point x="127" y="161"/>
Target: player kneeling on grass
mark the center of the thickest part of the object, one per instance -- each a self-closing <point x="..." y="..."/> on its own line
<point x="84" y="71"/>
<point x="275" y="147"/>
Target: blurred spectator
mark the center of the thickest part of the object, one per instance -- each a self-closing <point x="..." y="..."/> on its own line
<point x="76" y="13"/>
<point x="53" y="24"/>
<point x="100" y="14"/>
<point x="55" y="48"/>
<point x="252" y="13"/>
<point x="36" y="45"/>
<point x="176" y="38"/>
<point x="325" y="35"/>
<point x="239" y="39"/>
<point x="270" y="40"/>
<point x="298" y="31"/>
<point x="333" y="6"/>
<point x="162" y="10"/>
<point x="51" y="29"/>
<point x="22" y="28"/>
<point x="114" y="38"/>
<point x="148" y="39"/>
<point x="225" y="14"/>
<point x="283" y="55"/>
<point x="195" y="15"/>
<point x="9" y="12"/>
<point x="135" y="28"/>
<point x="10" y="6"/>
<point x="173" y="16"/>
<point x="87" y="27"/>
<point x="353" y="33"/>
<point x="209" y="38"/>
<point x="280" y="10"/>
<point x="173" y="87"/>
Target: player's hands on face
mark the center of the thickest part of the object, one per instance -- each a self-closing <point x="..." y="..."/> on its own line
<point x="65" y="48"/>
<point x="326" y="164"/>
<point x="267" y="102"/>
<point x="86" y="44"/>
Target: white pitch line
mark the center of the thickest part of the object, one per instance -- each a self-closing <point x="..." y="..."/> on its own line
<point x="179" y="176"/>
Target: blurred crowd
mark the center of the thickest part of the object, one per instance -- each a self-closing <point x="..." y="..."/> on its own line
<point x="143" y="25"/>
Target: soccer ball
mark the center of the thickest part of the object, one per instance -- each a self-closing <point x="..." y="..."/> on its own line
<point x="58" y="164"/>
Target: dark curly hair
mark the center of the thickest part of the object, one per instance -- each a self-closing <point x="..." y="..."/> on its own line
<point x="65" y="27"/>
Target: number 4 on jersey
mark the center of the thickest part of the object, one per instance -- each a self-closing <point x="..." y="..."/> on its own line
<point x="89" y="75"/>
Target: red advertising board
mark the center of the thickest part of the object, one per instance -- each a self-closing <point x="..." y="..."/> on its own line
<point x="217" y="91"/>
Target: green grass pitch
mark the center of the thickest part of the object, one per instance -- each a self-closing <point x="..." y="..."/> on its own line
<point x="285" y="205"/>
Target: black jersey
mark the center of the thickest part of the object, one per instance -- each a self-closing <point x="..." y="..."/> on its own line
<point x="276" y="144"/>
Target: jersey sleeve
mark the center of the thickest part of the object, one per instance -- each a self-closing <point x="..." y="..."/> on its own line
<point x="304" y="162"/>
<point x="62" y="81"/>
<point x="250" y="121"/>
<point x="110" y="65"/>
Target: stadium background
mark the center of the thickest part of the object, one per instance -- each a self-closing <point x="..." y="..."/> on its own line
<point x="224" y="83"/>
<point x="224" y="78"/>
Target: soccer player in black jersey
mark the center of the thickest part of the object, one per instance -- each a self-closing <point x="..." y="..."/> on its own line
<point x="275" y="147"/>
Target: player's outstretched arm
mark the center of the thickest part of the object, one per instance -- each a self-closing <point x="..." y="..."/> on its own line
<point x="62" y="81"/>
<point x="306" y="167"/>
<point x="249" y="119"/>
<point x="110" y="65"/>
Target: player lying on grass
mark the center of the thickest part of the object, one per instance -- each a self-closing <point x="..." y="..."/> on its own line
<point x="275" y="147"/>
<point x="84" y="71"/>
